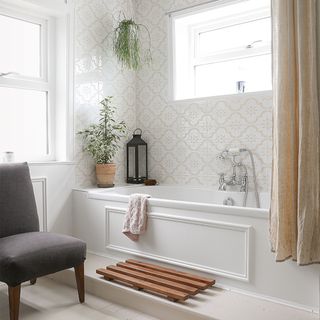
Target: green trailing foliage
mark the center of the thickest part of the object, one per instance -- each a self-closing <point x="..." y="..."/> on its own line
<point x="102" y="140"/>
<point x="127" y="46"/>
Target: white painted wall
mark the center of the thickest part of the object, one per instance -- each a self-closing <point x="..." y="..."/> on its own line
<point x="59" y="183"/>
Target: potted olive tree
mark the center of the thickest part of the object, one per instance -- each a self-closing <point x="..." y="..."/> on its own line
<point x="102" y="141"/>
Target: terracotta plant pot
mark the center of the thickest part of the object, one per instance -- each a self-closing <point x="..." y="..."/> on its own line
<point x="105" y="175"/>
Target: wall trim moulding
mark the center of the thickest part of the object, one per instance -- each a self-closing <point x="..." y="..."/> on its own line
<point x="44" y="198"/>
<point x="245" y="229"/>
<point x="52" y="163"/>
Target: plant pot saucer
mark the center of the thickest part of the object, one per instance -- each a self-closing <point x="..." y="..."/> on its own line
<point x="105" y="185"/>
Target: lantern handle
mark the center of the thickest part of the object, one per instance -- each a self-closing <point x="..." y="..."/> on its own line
<point x="137" y="134"/>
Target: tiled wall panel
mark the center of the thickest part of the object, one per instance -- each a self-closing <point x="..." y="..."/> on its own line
<point x="98" y="74"/>
<point x="184" y="137"/>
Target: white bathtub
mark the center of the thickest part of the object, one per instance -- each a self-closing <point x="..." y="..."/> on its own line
<point x="192" y="229"/>
<point x="179" y="197"/>
<point x="176" y="211"/>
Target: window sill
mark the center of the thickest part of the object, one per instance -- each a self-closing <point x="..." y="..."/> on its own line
<point x="221" y="97"/>
<point x="52" y="163"/>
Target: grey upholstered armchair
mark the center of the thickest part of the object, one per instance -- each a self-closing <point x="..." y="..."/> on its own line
<point x="26" y="253"/>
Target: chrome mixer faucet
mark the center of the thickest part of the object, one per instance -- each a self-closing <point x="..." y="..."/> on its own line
<point x="239" y="172"/>
<point x="239" y="176"/>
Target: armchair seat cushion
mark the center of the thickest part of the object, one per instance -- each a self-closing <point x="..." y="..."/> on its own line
<point x="30" y="255"/>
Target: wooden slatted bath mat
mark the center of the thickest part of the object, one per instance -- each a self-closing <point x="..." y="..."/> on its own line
<point x="173" y="284"/>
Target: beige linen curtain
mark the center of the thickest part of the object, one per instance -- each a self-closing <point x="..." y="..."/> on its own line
<point x="295" y="207"/>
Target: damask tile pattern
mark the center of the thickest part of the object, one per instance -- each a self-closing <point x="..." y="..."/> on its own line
<point x="185" y="137"/>
<point x="98" y="74"/>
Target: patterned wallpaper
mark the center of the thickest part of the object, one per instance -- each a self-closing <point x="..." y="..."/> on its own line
<point x="97" y="74"/>
<point x="184" y="137"/>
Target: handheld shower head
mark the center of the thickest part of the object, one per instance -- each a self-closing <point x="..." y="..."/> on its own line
<point x="234" y="152"/>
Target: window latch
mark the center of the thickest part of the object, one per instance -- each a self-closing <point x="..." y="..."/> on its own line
<point x="251" y="45"/>
<point x="4" y="74"/>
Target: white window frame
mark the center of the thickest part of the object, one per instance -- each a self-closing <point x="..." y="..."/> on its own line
<point x="194" y="31"/>
<point x="46" y="81"/>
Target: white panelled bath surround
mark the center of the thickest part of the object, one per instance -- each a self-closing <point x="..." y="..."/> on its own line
<point x="192" y="229"/>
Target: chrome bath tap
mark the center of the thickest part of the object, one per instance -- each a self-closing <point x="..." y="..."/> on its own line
<point x="239" y="175"/>
<point x="237" y="178"/>
<point x="242" y="181"/>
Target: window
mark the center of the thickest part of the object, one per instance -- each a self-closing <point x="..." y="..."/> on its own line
<point x="221" y="48"/>
<point x="26" y="86"/>
<point x="20" y="51"/>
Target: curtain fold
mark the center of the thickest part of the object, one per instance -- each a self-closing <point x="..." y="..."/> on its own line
<point x="295" y="205"/>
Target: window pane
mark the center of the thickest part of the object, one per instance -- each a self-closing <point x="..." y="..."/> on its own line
<point x="20" y="46"/>
<point x="221" y="78"/>
<point x="214" y="47"/>
<point x="235" y="37"/>
<point x="23" y="123"/>
<point x="142" y="161"/>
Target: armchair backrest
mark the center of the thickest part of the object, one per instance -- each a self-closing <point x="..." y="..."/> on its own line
<point x="18" y="211"/>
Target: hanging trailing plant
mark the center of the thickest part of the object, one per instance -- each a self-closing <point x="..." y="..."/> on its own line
<point x="127" y="46"/>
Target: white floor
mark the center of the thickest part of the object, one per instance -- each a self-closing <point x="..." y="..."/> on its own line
<point x="49" y="300"/>
<point x="213" y="303"/>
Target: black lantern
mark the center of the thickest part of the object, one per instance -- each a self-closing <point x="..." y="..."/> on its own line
<point x="137" y="159"/>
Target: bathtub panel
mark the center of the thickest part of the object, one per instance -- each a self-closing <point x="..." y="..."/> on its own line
<point x="267" y="279"/>
<point x="211" y="246"/>
<point x="40" y="194"/>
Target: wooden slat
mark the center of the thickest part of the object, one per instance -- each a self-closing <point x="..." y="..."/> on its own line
<point x="172" y="271"/>
<point x="141" y="284"/>
<point x="163" y="275"/>
<point x="156" y="280"/>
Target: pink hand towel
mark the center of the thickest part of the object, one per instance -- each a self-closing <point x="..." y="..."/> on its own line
<point x="135" y="220"/>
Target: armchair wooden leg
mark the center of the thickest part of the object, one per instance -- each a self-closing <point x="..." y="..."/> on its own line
<point x="79" y="271"/>
<point x="14" y="301"/>
<point x="33" y="281"/>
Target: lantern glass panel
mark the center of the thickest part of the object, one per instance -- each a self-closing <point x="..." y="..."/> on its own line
<point x="142" y="150"/>
<point x="132" y="162"/>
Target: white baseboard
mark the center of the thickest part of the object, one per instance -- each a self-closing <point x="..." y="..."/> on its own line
<point x="290" y="304"/>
